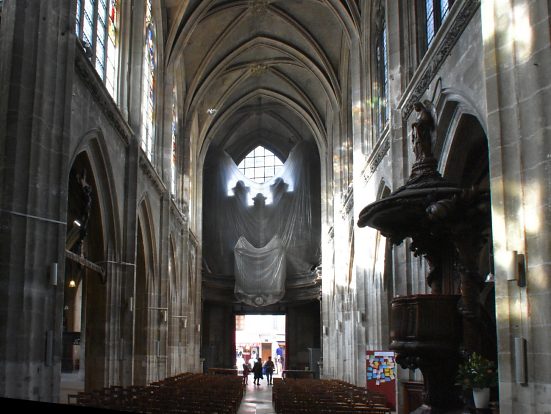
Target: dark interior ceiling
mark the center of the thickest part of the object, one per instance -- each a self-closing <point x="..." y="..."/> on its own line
<point x="271" y="69"/>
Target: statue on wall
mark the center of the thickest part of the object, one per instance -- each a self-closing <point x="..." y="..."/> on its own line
<point x="421" y="134"/>
<point x="86" y="199"/>
<point x="424" y="171"/>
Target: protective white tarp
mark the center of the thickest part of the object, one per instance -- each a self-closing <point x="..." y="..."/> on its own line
<point x="284" y="210"/>
<point x="259" y="272"/>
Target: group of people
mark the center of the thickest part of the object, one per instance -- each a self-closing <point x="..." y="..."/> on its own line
<point x="259" y="370"/>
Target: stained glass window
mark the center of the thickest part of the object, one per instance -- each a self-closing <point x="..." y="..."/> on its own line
<point x="96" y="25"/>
<point x="429" y="13"/>
<point x="382" y="76"/>
<point x="260" y="165"/>
<point x="112" y="61"/>
<point x="435" y="13"/>
<point x="444" y="8"/>
<point x="148" y="86"/>
<point x="173" y="157"/>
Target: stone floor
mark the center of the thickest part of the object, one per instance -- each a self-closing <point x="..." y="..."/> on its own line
<point x="257" y="399"/>
<point x="71" y="383"/>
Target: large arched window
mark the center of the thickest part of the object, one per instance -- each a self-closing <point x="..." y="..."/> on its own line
<point x="432" y="13"/>
<point x="97" y="27"/>
<point x="381" y="59"/>
<point x="148" y="85"/>
<point x="174" y="129"/>
<point x="260" y="165"/>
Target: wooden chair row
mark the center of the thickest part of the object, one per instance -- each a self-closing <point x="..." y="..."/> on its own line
<point x="313" y="396"/>
<point x="184" y="393"/>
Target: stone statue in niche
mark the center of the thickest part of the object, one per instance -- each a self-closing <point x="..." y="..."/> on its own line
<point x="86" y="199"/>
<point x="421" y="134"/>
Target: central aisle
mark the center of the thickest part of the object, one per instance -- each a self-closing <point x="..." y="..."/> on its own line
<point x="257" y="399"/>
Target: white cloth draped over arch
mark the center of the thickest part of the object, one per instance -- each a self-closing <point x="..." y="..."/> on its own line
<point x="244" y="220"/>
<point x="259" y="272"/>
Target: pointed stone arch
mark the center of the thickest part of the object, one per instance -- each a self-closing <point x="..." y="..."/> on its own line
<point x="175" y="310"/>
<point x="147" y="290"/>
<point x="462" y="144"/>
<point x="463" y="150"/>
<point x="91" y="204"/>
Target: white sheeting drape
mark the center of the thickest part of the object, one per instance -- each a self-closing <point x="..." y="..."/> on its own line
<point x="285" y="208"/>
<point x="259" y="272"/>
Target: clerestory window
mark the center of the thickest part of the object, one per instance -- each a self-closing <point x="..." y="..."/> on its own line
<point x="97" y="28"/>
<point x="382" y="77"/>
<point x="173" y="159"/>
<point x="148" y="83"/>
<point x="434" y="12"/>
<point x="260" y="165"/>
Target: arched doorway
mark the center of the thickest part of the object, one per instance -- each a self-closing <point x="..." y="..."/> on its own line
<point x="464" y="160"/>
<point x="150" y="343"/>
<point x="84" y="309"/>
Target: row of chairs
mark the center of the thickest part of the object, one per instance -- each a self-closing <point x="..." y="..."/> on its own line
<point x="185" y="393"/>
<point x="315" y="396"/>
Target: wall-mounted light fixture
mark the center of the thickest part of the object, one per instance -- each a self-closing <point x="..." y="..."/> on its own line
<point x="163" y="313"/>
<point x="77" y="223"/>
<point x="72" y="283"/>
<point x="49" y="349"/>
<point x="53" y="274"/>
<point x="183" y="318"/>
<point x="517" y="268"/>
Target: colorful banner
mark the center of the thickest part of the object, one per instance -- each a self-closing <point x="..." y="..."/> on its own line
<point x="381" y="374"/>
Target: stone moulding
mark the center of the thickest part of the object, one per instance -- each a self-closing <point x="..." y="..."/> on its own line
<point x="180" y="217"/>
<point x="348" y="202"/>
<point x="150" y="173"/>
<point x="91" y="79"/>
<point x="434" y="58"/>
<point x="382" y="147"/>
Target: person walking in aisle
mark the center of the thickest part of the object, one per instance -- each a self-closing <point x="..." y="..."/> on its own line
<point x="246" y="372"/>
<point x="269" y="369"/>
<point x="257" y="371"/>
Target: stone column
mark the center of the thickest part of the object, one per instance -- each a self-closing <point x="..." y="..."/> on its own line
<point x="516" y="66"/>
<point x="37" y="49"/>
<point x="164" y="287"/>
<point x="131" y="65"/>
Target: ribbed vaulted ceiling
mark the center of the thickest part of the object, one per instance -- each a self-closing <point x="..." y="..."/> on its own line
<point x="270" y="68"/>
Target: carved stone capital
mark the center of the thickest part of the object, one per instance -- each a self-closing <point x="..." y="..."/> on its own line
<point x="258" y="69"/>
<point x="259" y="6"/>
